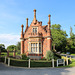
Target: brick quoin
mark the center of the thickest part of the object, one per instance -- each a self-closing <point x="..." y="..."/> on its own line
<point x="43" y="36"/>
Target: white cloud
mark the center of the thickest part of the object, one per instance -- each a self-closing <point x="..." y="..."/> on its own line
<point x="9" y="39"/>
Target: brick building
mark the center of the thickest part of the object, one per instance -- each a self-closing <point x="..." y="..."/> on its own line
<point x="36" y="39"/>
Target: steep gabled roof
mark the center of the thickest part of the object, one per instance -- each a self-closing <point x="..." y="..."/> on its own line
<point x="45" y="27"/>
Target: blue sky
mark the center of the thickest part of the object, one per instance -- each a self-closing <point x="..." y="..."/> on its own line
<point x="13" y="14"/>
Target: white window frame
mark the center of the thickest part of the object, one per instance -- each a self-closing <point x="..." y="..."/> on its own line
<point x="32" y="52"/>
<point x="34" y="30"/>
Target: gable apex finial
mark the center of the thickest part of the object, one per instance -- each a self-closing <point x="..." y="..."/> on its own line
<point x="49" y="21"/>
<point x="34" y="15"/>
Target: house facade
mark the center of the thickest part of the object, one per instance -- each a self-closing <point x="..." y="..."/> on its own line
<point x="36" y="39"/>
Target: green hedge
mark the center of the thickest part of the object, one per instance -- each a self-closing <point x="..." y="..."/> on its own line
<point x="2" y="59"/>
<point x="19" y="63"/>
<point x="33" y="63"/>
<point x="42" y="63"/>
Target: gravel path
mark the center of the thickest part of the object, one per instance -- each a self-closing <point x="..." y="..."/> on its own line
<point x="5" y="70"/>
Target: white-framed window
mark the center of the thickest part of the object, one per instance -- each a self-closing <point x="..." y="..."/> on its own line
<point x="35" y="30"/>
<point x="35" y="48"/>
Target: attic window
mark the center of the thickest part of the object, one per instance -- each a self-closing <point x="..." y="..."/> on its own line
<point x="34" y="30"/>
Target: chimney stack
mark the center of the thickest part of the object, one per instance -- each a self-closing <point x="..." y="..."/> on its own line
<point x="34" y="15"/>
<point x="26" y="22"/>
<point x="49" y="23"/>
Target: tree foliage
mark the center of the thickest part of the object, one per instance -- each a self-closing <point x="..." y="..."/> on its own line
<point x="18" y="47"/>
<point x="70" y="47"/>
<point x="2" y="48"/>
<point x="58" y="37"/>
<point x="11" y="47"/>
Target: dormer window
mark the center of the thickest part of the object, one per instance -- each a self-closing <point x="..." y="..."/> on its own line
<point x="35" y="30"/>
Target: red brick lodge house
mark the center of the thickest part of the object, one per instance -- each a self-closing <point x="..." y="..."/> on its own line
<point x="36" y="39"/>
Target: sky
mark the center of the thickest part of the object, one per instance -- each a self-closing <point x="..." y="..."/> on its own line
<point x="13" y="14"/>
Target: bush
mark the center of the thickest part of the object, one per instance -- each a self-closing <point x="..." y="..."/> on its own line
<point x="49" y="55"/>
<point x="24" y="57"/>
<point x="43" y="58"/>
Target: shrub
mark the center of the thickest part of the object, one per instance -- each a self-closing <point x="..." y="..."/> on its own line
<point x="56" y="56"/>
<point x="49" y="55"/>
<point x="24" y="57"/>
<point x="43" y="58"/>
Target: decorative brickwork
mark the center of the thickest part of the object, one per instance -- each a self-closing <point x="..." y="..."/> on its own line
<point x="38" y="35"/>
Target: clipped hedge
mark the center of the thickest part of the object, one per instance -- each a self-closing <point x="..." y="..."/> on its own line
<point x="2" y="59"/>
<point x="19" y="63"/>
<point x="42" y="63"/>
<point x="33" y="63"/>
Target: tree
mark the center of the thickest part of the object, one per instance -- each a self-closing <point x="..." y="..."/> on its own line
<point x="70" y="46"/>
<point x="18" y="47"/>
<point x="58" y="37"/>
<point x="72" y="43"/>
<point x="71" y="33"/>
<point x="2" y="48"/>
<point x="11" y="47"/>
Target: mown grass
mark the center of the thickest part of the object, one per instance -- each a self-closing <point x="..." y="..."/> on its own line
<point x="10" y="54"/>
<point x="73" y="54"/>
<point x="72" y="64"/>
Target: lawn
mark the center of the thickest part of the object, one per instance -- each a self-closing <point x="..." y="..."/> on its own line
<point x="72" y="64"/>
<point x="73" y="54"/>
<point x="10" y="54"/>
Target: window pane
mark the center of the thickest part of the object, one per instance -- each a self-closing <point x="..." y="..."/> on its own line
<point x="31" y="44"/>
<point x="39" y="44"/>
<point x="34" y="30"/>
<point x="31" y="50"/>
<point x="39" y="49"/>
<point x="36" y="44"/>
<point x="36" y="49"/>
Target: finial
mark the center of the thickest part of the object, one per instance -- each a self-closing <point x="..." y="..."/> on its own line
<point x="34" y="10"/>
<point x="22" y="28"/>
<point x="49" y="21"/>
<point x="26" y="18"/>
<point x="49" y="15"/>
<point x="34" y="15"/>
<point x="26" y="22"/>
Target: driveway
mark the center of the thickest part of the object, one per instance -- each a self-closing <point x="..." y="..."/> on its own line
<point x="5" y="70"/>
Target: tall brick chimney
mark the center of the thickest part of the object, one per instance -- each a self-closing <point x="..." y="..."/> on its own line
<point x="35" y="16"/>
<point x="49" y="42"/>
<point x="26" y="23"/>
<point x="22" y="40"/>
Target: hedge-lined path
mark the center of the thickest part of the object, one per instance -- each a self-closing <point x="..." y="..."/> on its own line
<point x="5" y="70"/>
